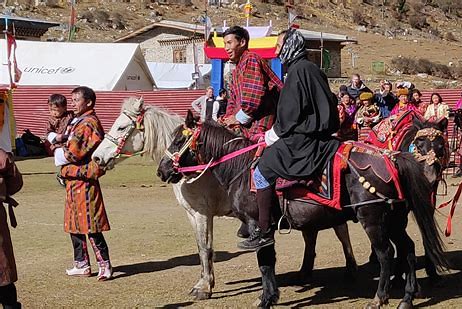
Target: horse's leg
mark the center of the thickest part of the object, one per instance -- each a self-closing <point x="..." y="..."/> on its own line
<point x="372" y="219"/>
<point x="266" y="262"/>
<point x="203" y="227"/>
<point x="306" y="271"/>
<point x="342" y="234"/>
<point x="406" y="263"/>
<point x="430" y="267"/>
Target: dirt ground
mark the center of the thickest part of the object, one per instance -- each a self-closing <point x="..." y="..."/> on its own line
<point x="155" y="257"/>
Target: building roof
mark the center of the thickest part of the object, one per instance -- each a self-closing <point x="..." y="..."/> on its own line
<point x="200" y="29"/>
<point x="26" y="26"/>
<point x="194" y="28"/>
<point x="315" y="35"/>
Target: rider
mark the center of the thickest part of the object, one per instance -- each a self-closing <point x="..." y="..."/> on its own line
<point x="254" y="89"/>
<point x="300" y="142"/>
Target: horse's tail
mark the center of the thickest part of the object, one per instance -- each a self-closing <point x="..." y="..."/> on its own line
<point x="417" y="191"/>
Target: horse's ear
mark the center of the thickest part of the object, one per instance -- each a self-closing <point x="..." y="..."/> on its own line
<point x="190" y="121"/>
<point x="139" y="104"/>
<point x="442" y="124"/>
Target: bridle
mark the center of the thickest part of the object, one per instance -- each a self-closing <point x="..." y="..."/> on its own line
<point x="190" y="144"/>
<point x="120" y="141"/>
<point x="430" y="157"/>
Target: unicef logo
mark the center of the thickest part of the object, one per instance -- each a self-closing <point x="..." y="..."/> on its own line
<point x="67" y="70"/>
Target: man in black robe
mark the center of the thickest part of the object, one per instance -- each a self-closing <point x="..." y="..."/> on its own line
<point x="300" y="143"/>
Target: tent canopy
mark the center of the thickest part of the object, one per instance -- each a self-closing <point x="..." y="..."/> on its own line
<point x="176" y="75"/>
<point x="101" y="66"/>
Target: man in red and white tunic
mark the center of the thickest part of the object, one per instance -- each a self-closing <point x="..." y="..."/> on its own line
<point x="254" y="89"/>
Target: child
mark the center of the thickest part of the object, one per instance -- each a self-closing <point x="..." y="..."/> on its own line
<point x="58" y="125"/>
<point x="369" y="113"/>
<point x="59" y="121"/>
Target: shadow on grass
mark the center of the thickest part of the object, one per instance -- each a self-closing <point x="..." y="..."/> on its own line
<point x="333" y="287"/>
<point x="187" y="260"/>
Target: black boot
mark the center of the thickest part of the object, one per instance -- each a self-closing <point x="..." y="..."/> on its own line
<point x="258" y="239"/>
<point x="263" y="234"/>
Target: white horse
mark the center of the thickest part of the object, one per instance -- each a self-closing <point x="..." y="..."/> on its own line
<point x="149" y="130"/>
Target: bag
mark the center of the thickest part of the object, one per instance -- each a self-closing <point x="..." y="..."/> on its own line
<point x="33" y="144"/>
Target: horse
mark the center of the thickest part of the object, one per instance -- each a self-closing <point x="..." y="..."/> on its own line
<point x="148" y="130"/>
<point x="383" y="223"/>
<point x="402" y="132"/>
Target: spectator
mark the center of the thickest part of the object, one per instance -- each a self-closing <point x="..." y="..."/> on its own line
<point x="58" y="121"/>
<point x="84" y="214"/>
<point x="221" y="102"/>
<point x="357" y="87"/>
<point x="347" y="112"/>
<point x="204" y="105"/>
<point x="403" y="104"/>
<point x="385" y="99"/>
<point x="369" y="113"/>
<point x="417" y="101"/>
<point x="437" y="108"/>
<point x="459" y="102"/>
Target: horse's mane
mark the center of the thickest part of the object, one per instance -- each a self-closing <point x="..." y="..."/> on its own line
<point x="158" y="127"/>
<point x="217" y="141"/>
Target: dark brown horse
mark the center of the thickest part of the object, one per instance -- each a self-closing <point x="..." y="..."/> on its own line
<point x="383" y="221"/>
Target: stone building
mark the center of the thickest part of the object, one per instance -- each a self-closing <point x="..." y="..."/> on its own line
<point x="170" y="42"/>
<point x="26" y="28"/>
<point x="178" y="42"/>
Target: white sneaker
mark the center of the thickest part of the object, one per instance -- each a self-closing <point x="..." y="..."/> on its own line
<point x="105" y="271"/>
<point x="79" y="270"/>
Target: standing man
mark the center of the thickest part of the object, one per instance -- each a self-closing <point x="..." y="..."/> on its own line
<point x="357" y="87"/>
<point x="204" y="106"/>
<point x="84" y="213"/>
<point x="300" y="143"/>
<point x="254" y="89"/>
<point x="10" y="183"/>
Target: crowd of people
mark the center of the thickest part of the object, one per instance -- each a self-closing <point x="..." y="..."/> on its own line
<point x="361" y="107"/>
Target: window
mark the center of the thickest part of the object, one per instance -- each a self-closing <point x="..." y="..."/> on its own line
<point x="179" y="56"/>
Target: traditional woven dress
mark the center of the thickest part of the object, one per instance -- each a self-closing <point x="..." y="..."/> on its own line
<point x="84" y="212"/>
<point x="10" y="183"/>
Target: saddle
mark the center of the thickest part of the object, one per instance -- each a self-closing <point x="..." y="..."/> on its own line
<point x="390" y="132"/>
<point x="326" y="188"/>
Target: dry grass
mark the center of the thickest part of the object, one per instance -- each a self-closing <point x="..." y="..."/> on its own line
<point x="154" y="253"/>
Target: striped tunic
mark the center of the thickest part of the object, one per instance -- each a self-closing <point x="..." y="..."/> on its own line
<point x="84" y="211"/>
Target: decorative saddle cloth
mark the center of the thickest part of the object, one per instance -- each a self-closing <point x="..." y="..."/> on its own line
<point x="389" y="133"/>
<point x="326" y="189"/>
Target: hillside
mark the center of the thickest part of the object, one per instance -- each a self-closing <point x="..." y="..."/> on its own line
<point x="419" y="29"/>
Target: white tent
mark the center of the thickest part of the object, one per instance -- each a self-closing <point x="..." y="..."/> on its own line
<point x="101" y="66"/>
<point x="177" y="75"/>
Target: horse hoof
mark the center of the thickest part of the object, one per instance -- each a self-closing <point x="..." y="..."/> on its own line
<point x="372" y="305"/>
<point x="203" y="295"/>
<point x="404" y="305"/>
<point x="200" y="295"/>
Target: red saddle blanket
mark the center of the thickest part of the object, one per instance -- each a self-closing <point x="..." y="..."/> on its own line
<point x="326" y="189"/>
<point x="389" y="133"/>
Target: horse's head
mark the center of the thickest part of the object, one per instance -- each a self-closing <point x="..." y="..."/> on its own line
<point x="126" y="136"/>
<point x="181" y="150"/>
<point x="430" y="147"/>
